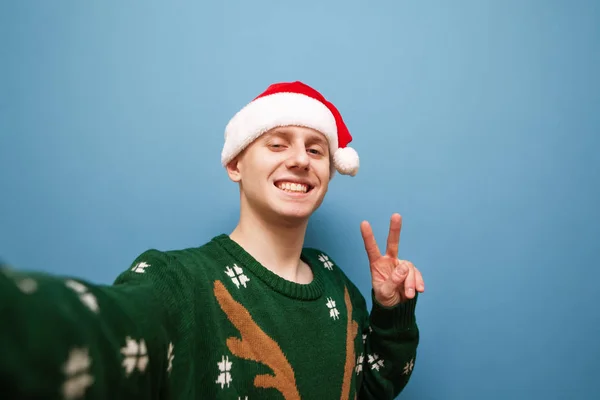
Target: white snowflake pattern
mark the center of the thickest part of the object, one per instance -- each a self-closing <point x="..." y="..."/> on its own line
<point x="409" y="366"/>
<point x="365" y="335"/>
<point x="333" y="311"/>
<point x="170" y="357"/>
<point x="326" y="262"/>
<point x="375" y="361"/>
<point x="85" y="296"/>
<point x="359" y="363"/>
<point x="224" y="377"/>
<point x="140" y="267"/>
<point x="76" y="370"/>
<point x="27" y="285"/>
<point x="135" y="355"/>
<point x="237" y="275"/>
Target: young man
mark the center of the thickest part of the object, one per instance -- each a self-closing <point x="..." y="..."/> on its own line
<point x="249" y="315"/>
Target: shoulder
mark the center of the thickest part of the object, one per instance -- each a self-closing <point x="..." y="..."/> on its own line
<point x="184" y="263"/>
<point x="334" y="272"/>
<point x="206" y="253"/>
<point x="321" y="259"/>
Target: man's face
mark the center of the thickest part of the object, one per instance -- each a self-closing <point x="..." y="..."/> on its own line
<point x="284" y="173"/>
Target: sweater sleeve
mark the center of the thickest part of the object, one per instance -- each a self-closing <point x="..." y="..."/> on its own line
<point x="391" y="338"/>
<point x="66" y="338"/>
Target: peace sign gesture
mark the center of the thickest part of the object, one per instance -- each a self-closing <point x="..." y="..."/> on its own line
<point x="394" y="280"/>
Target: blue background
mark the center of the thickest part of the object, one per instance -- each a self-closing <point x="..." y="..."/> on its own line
<point x="478" y="121"/>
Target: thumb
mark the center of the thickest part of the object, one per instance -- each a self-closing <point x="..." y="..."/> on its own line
<point x="399" y="274"/>
<point x="392" y="287"/>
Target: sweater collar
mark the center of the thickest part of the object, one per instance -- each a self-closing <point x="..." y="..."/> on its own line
<point x="310" y="291"/>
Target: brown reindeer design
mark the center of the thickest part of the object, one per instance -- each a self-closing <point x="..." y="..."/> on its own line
<point x="254" y="338"/>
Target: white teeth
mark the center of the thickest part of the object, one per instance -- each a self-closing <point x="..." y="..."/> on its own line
<point x="293" y="187"/>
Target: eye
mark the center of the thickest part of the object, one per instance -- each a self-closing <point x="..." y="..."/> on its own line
<point x="316" y="151"/>
<point x="276" y="146"/>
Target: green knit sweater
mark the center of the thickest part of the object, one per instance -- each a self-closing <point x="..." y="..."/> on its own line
<point x="201" y="323"/>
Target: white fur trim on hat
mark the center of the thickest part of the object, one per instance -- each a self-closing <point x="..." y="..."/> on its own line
<point x="279" y="109"/>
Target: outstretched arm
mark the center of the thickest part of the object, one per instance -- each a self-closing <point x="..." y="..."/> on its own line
<point x="65" y="338"/>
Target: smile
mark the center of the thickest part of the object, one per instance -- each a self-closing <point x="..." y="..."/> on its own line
<point x="293" y="187"/>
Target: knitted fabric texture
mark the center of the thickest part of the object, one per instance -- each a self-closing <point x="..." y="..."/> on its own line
<point x="206" y="322"/>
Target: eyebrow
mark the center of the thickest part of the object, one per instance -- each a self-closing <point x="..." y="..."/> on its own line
<point x="314" y="137"/>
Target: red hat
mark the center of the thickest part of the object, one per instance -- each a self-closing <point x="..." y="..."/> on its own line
<point x="291" y="103"/>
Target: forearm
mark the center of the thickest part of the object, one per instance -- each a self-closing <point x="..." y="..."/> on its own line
<point x="62" y="337"/>
<point x="390" y="350"/>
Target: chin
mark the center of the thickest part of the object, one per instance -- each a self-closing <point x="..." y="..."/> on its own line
<point x="295" y="213"/>
<point x="282" y="207"/>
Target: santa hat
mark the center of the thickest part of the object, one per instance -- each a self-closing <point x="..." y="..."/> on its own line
<point x="291" y="103"/>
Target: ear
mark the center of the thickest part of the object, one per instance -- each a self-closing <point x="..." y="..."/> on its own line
<point x="233" y="170"/>
<point x="332" y="169"/>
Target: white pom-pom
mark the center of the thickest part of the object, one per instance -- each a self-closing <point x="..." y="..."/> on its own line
<point x="346" y="161"/>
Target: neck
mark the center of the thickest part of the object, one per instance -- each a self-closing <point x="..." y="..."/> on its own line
<point x="275" y="245"/>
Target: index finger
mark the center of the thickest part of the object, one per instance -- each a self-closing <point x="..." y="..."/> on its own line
<point x="393" y="240"/>
<point x="370" y="243"/>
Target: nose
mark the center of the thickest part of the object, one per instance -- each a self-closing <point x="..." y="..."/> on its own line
<point x="298" y="158"/>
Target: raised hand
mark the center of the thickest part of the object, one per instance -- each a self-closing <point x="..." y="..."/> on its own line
<point x="394" y="280"/>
